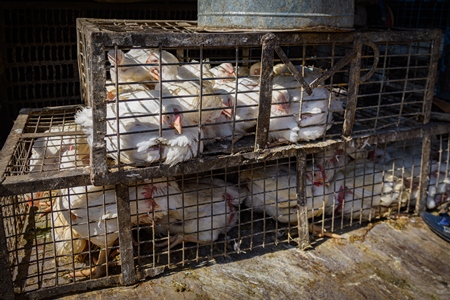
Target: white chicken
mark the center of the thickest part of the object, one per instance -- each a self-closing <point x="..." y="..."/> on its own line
<point x="309" y="73"/>
<point x="46" y="151"/>
<point x="331" y="161"/>
<point x="194" y="70"/>
<point x="222" y="127"/>
<point x="255" y="69"/>
<point x="175" y="145"/>
<point x="67" y="241"/>
<point x="305" y="122"/>
<point x="226" y="72"/>
<point x="46" y="154"/>
<point x="273" y="190"/>
<point x="211" y="186"/>
<point x="208" y="210"/>
<point x="138" y="128"/>
<point x="438" y="189"/>
<point x="242" y="98"/>
<point x="405" y="162"/>
<point x="358" y="193"/>
<point x="308" y="116"/>
<point x="92" y="213"/>
<point x="286" y="125"/>
<point x="130" y="66"/>
<point x="239" y="117"/>
<point x="194" y="96"/>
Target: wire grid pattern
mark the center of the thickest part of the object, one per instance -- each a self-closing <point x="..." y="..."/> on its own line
<point x="232" y="212"/>
<point x="393" y="96"/>
<point x="266" y="217"/>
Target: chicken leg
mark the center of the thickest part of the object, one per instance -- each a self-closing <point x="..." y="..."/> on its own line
<point x="99" y="270"/>
<point x="179" y="238"/>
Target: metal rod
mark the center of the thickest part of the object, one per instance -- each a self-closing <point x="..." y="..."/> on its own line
<point x="117" y="106"/>
<point x="302" y="209"/>
<point x="432" y="71"/>
<point x="424" y="170"/>
<point x="352" y="94"/>
<point x="128" y="275"/>
<point x="265" y="92"/>
<point x="97" y="72"/>
<point x="293" y="70"/>
<point x="76" y="287"/>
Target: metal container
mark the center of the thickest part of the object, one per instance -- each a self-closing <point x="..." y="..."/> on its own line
<point x="276" y="15"/>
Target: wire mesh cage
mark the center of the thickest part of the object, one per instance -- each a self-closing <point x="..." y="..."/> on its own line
<point x="379" y="179"/>
<point x="39" y="143"/>
<point x="70" y="229"/>
<point x="74" y="233"/>
<point x="59" y="236"/>
<point x="312" y="87"/>
<point x="437" y="190"/>
<point x="232" y="192"/>
<point x="58" y="225"/>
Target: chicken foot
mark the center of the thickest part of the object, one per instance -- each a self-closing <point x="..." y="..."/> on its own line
<point x="96" y="272"/>
<point x="179" y="238"/>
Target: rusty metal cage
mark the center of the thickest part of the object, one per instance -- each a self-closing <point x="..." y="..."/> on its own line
<point x="59" y="224"/>
<point x="384" y="176"/>
<point x="240" y="196"/>
<point x="368" y="82"/>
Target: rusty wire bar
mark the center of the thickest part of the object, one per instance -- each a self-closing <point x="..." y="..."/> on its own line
<point x="97" y="77"/>
<point x="302" y="211"/>
<point x="352" y="93"/>
<point x="424" y="172"/>
<point x="265" y="93"/>
<point x="128" y="274"/>
<point x="431" y="79"/>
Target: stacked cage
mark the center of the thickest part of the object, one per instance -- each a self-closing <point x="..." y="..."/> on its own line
<point x="195" y="145"/>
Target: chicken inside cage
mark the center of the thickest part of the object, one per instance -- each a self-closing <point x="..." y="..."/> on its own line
<point x="74" y="232"/>
<point x="198" y="118"/>
<point x="170" y="105"/>
<point x="49" y="143"/>
<point x="439" y="182"/>
<point x="80" y="225"/>
<point x="162" y="107"/>
<point x="79" y="233"/>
